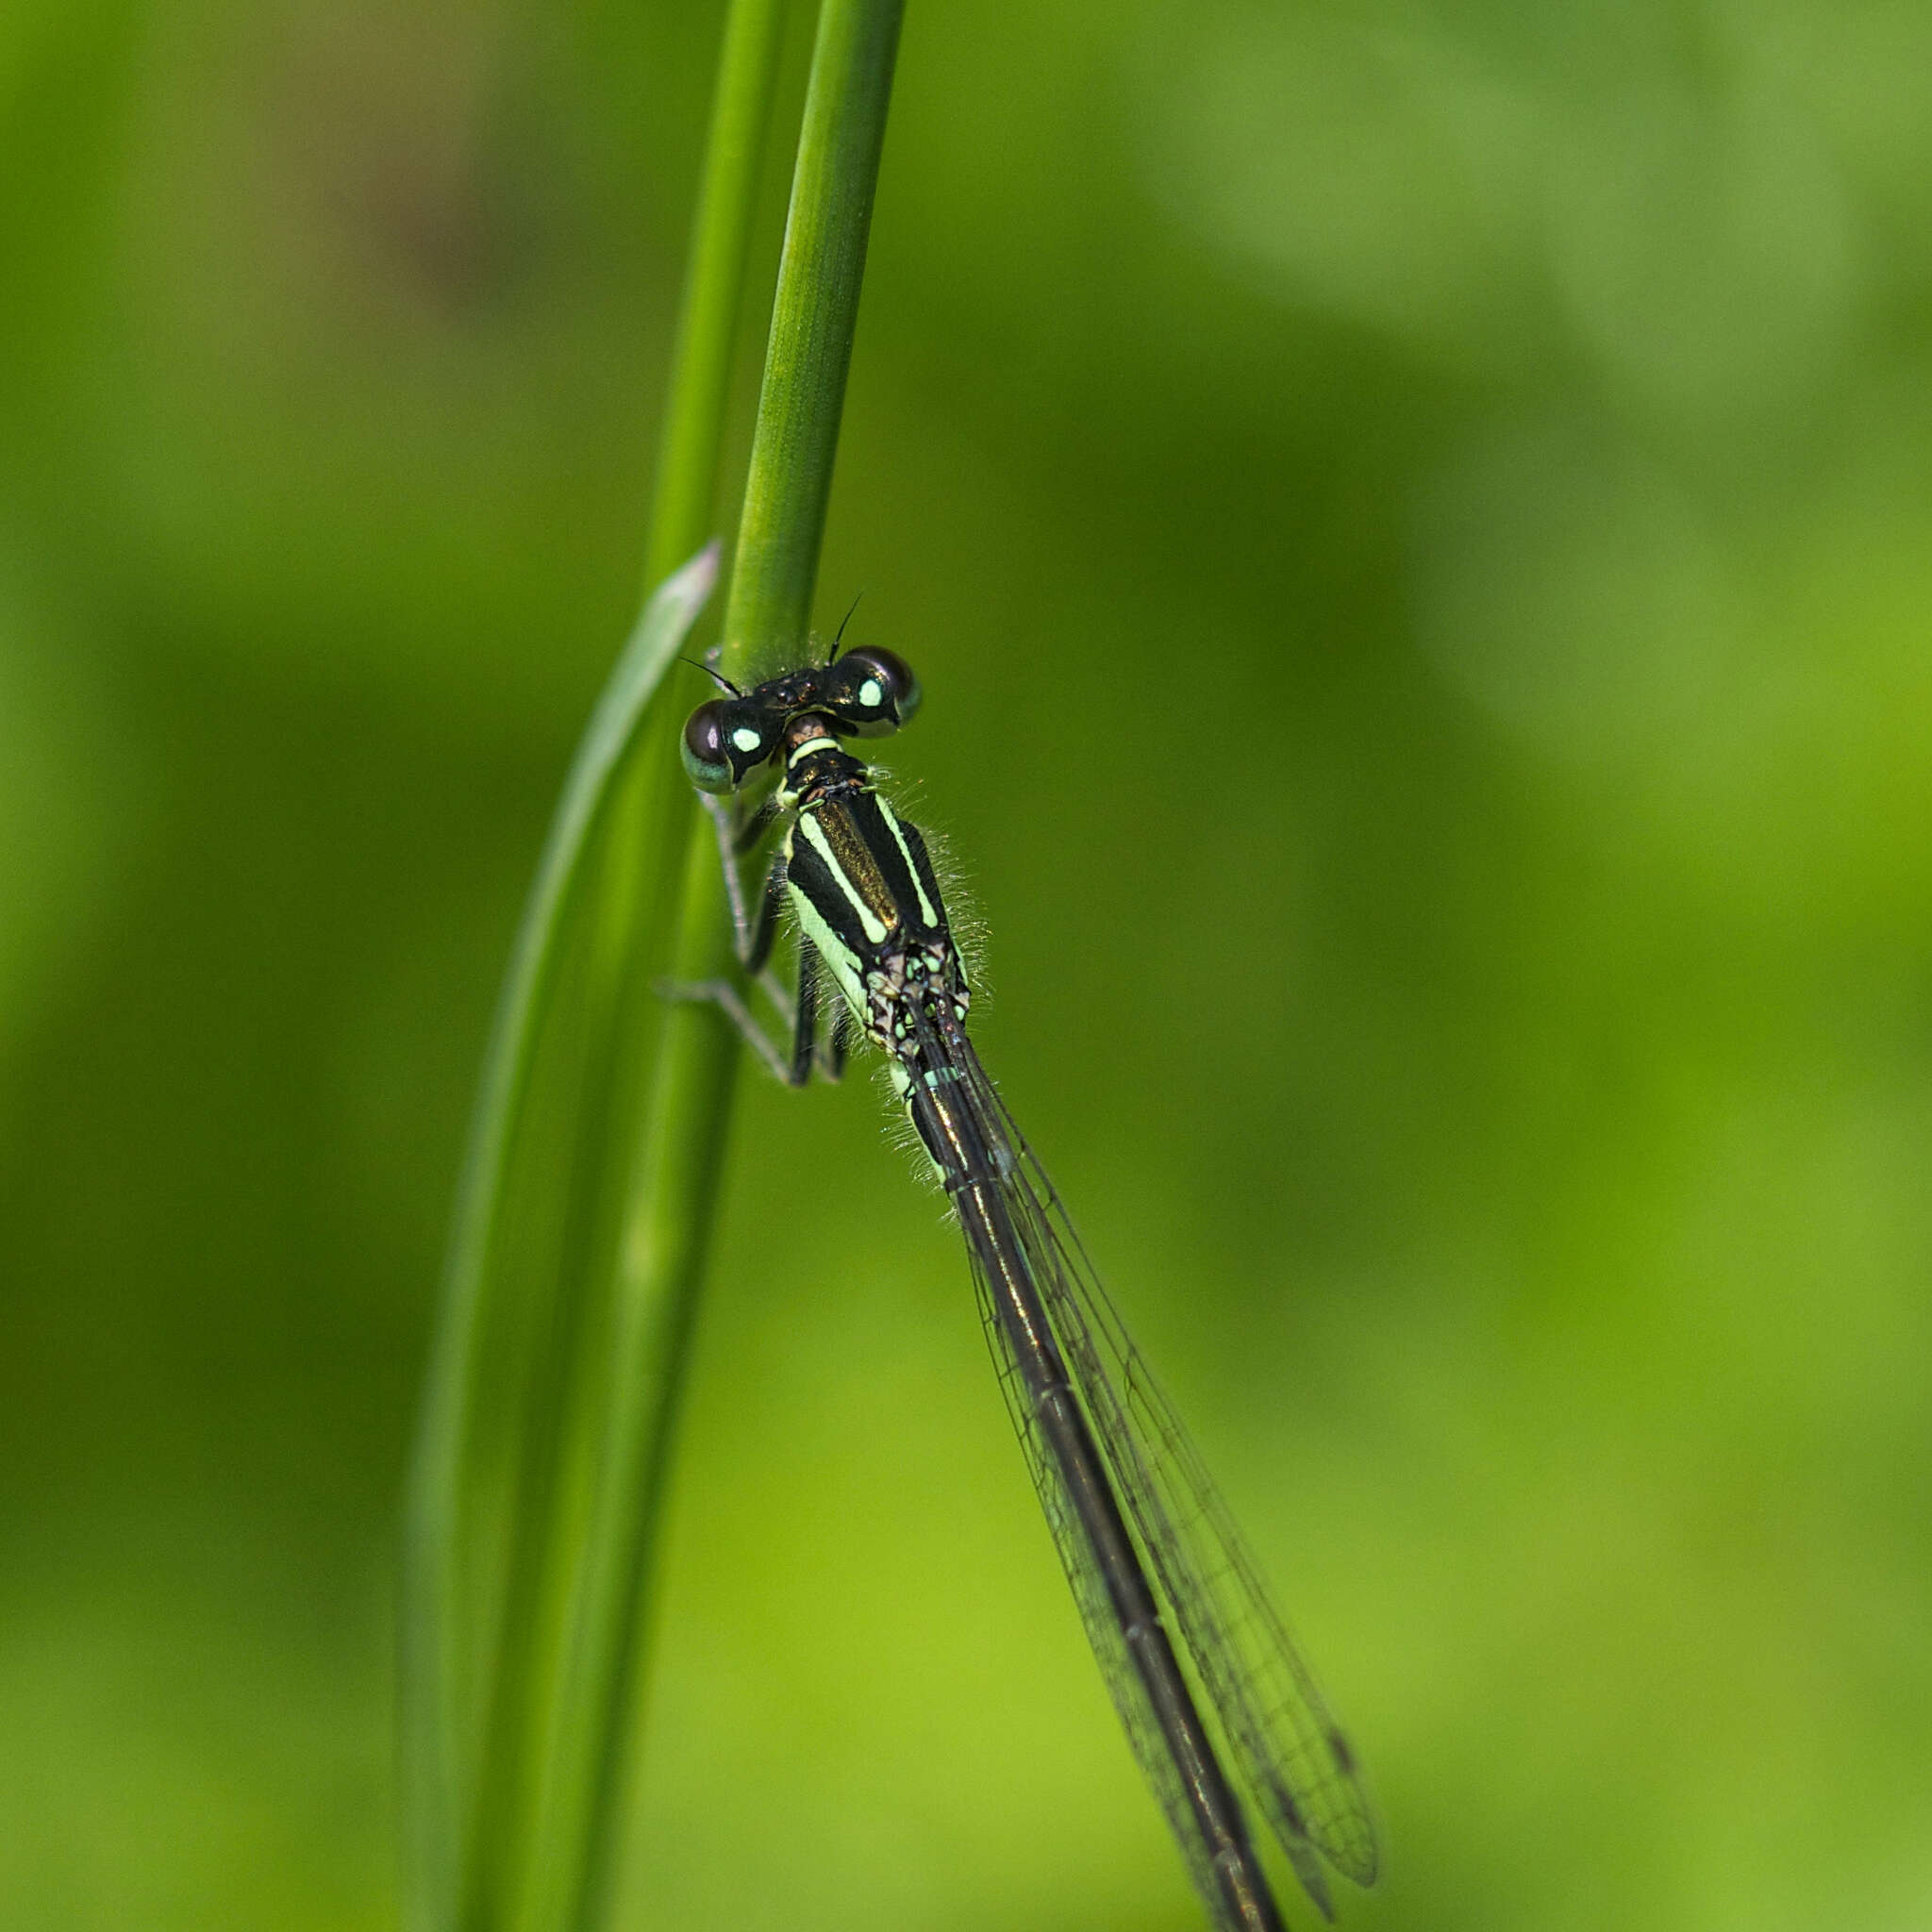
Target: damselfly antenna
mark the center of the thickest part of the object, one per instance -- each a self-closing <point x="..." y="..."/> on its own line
<point x="839" y="636"/>
<point x="716" y="675"/>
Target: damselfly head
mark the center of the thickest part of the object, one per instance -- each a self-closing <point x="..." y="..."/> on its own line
<point x="867" y="692"/>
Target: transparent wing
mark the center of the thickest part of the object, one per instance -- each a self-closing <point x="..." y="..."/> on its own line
<point x="1291" y="1751"/>
<point x="1123" y="1682"/>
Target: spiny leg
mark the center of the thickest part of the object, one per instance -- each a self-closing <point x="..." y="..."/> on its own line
<point x="730" y="1002"/>
<point x="753" y="944"/>
<point x="842" y="1041"/>
<point x="797" y="1070"/>
<point x="805" y="1025"/>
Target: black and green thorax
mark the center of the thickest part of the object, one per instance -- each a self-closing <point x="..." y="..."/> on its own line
<point x="862" y="885"/>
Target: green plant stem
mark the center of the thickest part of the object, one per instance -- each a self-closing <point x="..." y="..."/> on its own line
<point x="660" y="1267"/>
<point x="663" y="1252"/>
<point x="549" y="1833"/>
<point x="496" y="1793"/>
<point x="590" y="1191"/>
<point x="814" y="318"/>
<point x="688" y="449"/>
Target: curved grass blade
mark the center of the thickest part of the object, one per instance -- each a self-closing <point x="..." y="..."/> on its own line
<point x="502" y="1342"/>
<point x="586" y="1209"/>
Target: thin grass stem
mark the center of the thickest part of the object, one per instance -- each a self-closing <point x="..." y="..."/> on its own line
<point x="662" y="1252"/>
<point x="587" y="1201"/>
<point x="499" y="1477"/>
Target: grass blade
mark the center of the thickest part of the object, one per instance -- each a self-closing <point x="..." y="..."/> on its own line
<point x="814" y="319"/>
<point x="590" y="1193"/>
<point x="662" y="1251"/>
<point x="466" y="1448"/>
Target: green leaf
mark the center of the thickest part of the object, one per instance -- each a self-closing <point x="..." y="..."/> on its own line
<point x="587" y="1210"/>
<point x="487" y="1453"/>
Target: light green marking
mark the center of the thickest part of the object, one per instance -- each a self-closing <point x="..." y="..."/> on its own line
<point x="833" y="951"/>
<point x="869" y="921"/>
<point x="928" y="911"/>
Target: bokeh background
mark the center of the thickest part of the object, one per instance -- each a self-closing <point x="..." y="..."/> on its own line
<point x="1415" y="521"/>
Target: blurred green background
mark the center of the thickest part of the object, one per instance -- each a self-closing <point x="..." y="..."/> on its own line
<point x="1416" y="526"/>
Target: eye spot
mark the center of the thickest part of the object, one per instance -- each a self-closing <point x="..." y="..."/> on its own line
<point x="746" y="739"/>
<point x="871" y="692"/>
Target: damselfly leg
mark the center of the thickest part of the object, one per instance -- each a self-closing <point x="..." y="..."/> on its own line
<point x="752" y="936"/>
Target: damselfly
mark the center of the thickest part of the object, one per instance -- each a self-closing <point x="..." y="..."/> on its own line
<point x="1148" y="1545"/>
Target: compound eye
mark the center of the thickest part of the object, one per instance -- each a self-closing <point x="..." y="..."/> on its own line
<point x="724" y="741"/>
<point x="878" y="692"/>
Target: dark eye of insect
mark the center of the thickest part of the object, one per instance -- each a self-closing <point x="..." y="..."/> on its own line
<point x="724" y="741"/>
<point x="877" y="691"/>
